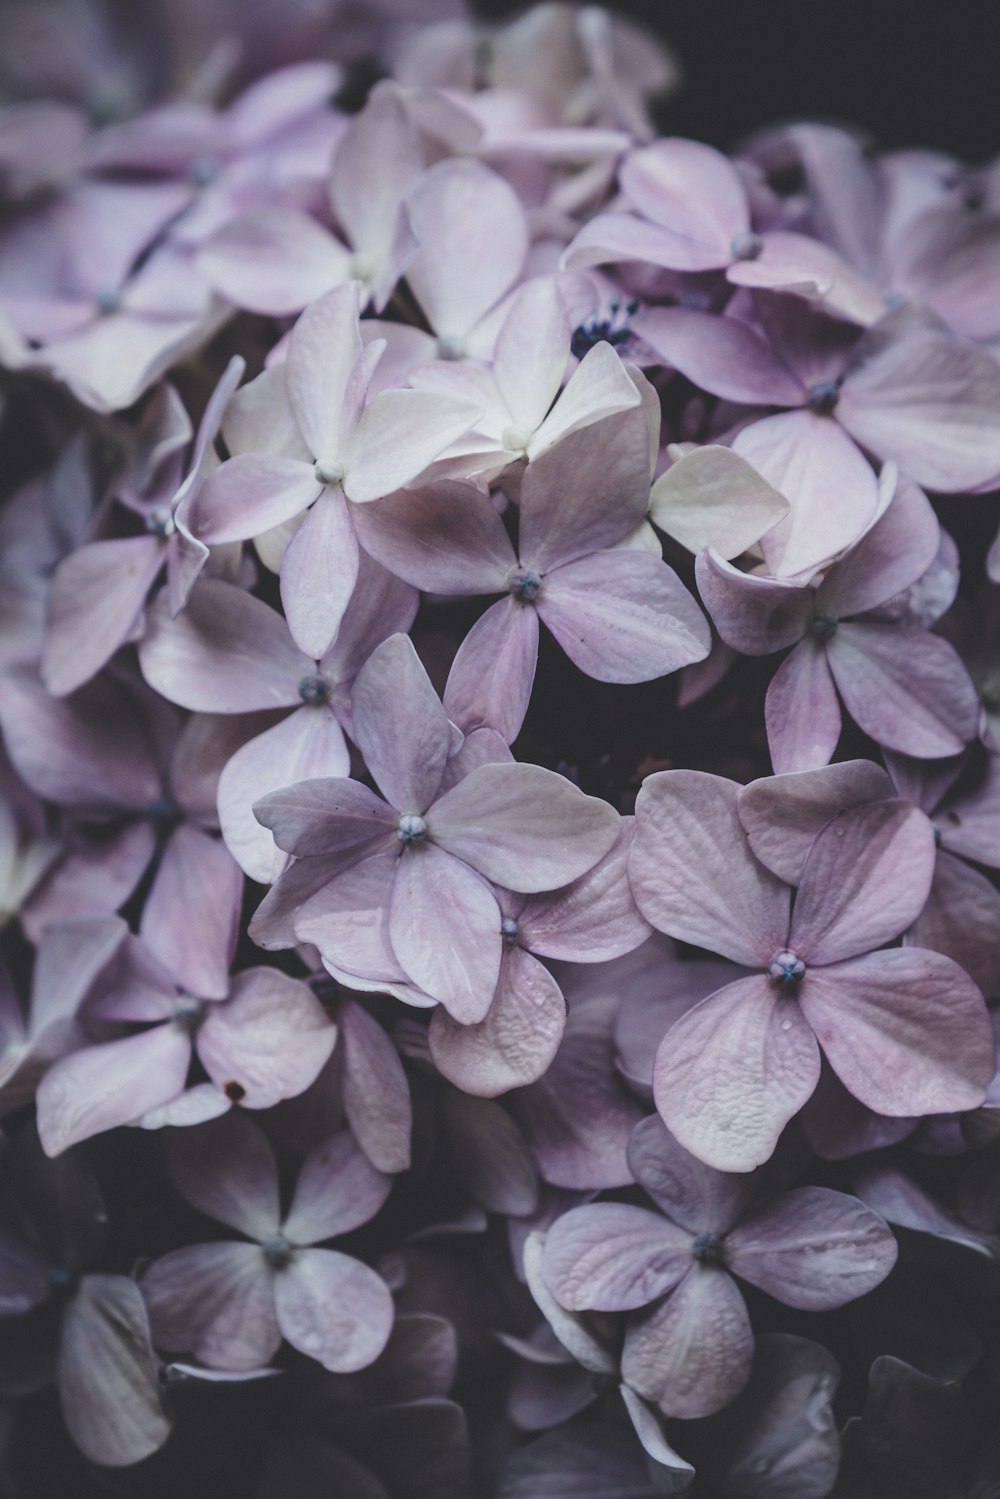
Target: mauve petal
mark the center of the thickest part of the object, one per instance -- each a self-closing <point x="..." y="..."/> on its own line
<point x="108" y="1375"/>
<point x="348" y="918"/>
<point x="93" y="880"/>
<point x="599" y="387"/>
<point x="268" y="1042"/>
<point x="69" y="956"/>
<point x="491" y="677"/>
<point x="400" y="432"/>
<point x="532" y="351"/>
<point x="273" y="260"/>
<point x="592" y="920"/>
<point x="249" y="495"/>
<point x="337" y="1190"/>
<point x="692" y="1354"/>
<point x="334" y="1309"/>
<point x="322" y="352"/>
<point x="905" y="687"/>
<point x="660" y="989"/>
<point x="692" y="872"/>
<point x="571" y="1331"/>
<point x="392" y="688"/>
<point x="227" y="653"/>
<point x="971" y="827"/>
<point x="805" y="266"/>
<point x="447" y="538"/>
<point x="104" y="1086"/>
<point x="898" y="550"/>
<point x="928" y="401"/>
<point x="612" y="1257"/>
<point x="89" y="750"/>
<point x="961" y="919"/>
<point x="713" y="498"/>
<point x="752" y="614"/>
<point x="613" y="237"/>
<point x="329" y="816"/>
<point x="377" y="159"/>
<point x="489" y="1155"/>
<point x="866" y="878"/>
<point x="587" y="493"/>
<point x="134" y="986"/>
<point x="215" y="1301"/>
<point x="96" y="595"/>
<point x="24" y="1283"/>
<point x="515" y="1043"/>
<point x="782" y="814"/>
<point x="473" y="238"/>
<point x="522" y="826"/>
<point x="319" y="570"/>
<point x="307" y="745"/>
<point x="444" y="925"/>
<point x="832" y="488"/>
<point x="801" y="711"/>
<point x="375" y="1089"/>
<point x="719" y="354"/>
<point x="731" y="1073"/>
<point x="838" y="1127"/>
<point x="271" y="925"/>
<point x="692" y="190"/>
<point x="691" y="1194"/>
<point x="906" y="1031"/>
<point x="192" y="913"/>
<point x="226" y="1169"/>
<point x="813" y="1249"/>
<point x="197" y="1105"/>
<point x="623" y="616"/>
<point x="578" y="1117"/>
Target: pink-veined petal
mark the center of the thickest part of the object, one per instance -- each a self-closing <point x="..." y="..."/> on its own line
<point x="227" y="1171"/>
<point x="444" y="925"/>
<point x="192" y="914"/>
<point x="96" y="595"/>
<point x="782" y="814"/>
<point x="103" y="1086"/>
<point x="801" y="711"/>
<point x="613" y="1257"/>
<point x="393" y="688"/>
<point x="489" y="685"/>
<point x="215" y="1301"/>
<point x="270" y="1040"/>
<point x="333" y="1309"/>
<point x="694" y="1196"/>
<point x="692" y="1354"/>
<point x="337" y="1190"/>
<point x="249" y="495"/>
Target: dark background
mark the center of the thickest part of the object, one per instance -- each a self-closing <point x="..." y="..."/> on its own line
<point x="910" y="74"/>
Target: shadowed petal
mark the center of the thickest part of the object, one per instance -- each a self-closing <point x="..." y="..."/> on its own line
<point x="623" y="616"/>
<point x="517" y="1040"/>
<point x="333" y="1309"/>
<point x="692" y="1354"/>
<point x="227" y="1170"/>
<point x="104" y="1086"/>
<point x="522" y="826"/>
<point x="692" y="1195"/>
<point x="612" y="1257"/>
<point x="307" y="745"/>
<point x="906" y="1031"/>
<point x="250" y="494"/>
<point x="801" y="711"/>
<point x="108" y="1375"/>
<point x="866" y="878"/>
<point x="215" y="1301"/>
<point x="812" y="1248"/>
<point x="446" y="537"/>
<point x="898" y="550"/>
<point x="961" y="919"/>
<point x="782" y="814"/>
<point x="692" y="872"/>
<point x="192" y="914"/>
<point x="592" y="920"/>
<point x="328" y="816"/>
<point x="376" y="1092"/>
<point x="268" y="1042"/>
<point x="444" y="925"/>
<point x="228" y="652"/>
<point x="338" y="1189"/>
<point x="731" y="1073"/>
<point x="905" y="687"/>
<point x="94" y="601"/>
<point x="754" y="615"/>
<point x="721" y="355"/>
<point x="491" y="677"/>
<point x="393" y="688"/>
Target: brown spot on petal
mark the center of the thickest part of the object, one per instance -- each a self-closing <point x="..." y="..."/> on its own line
<point x="235" y="1092"/>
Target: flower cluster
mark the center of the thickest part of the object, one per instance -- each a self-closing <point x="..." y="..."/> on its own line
<point x="429" y="1065"/>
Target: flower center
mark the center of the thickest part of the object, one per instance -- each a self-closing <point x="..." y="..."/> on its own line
<point x="524" y="585"/>
<point x="314" y="689"/>
<point x="277" y="1252"/>
<point x="107" y="300"/>
<point x="515" y="439"/>
<point x="361" y="267"/>
<point x="450" y="348"/>
<point x="709" y="1249"/>
<point x="160" y="522"/>
<point x="187" y="1012"/>
<point x="612" y="329"/>
<point x="786" y="968"/>
<point x="746" y="246"/>
<point x="327" y="471"/>
<point x="824" y="627"/>
<point x="411" y="828"/>
<point x="823" y="396"/>
<point x="510" y="930"/>
<point x="203" y="170"/>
